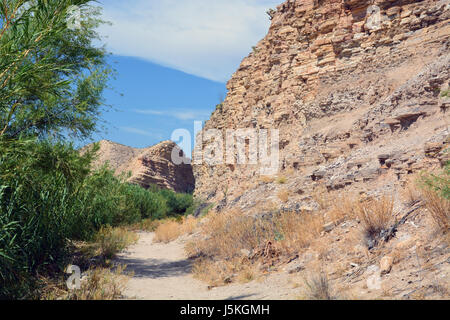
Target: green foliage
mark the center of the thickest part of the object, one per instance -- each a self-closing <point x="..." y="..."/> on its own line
<point x="199" y="208"/>
<point x="48" y="195"/>
<point x="439" y="182"/>
<point x="113" y="240"/>
<point x="51" y="77"/>
<point x="177" y="203"/>
<point x="51" y="83"/>
<point x="38" y="207"/>
<point x="445" y="93"/>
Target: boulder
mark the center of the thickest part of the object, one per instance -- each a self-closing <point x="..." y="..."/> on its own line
<point x="386" y="264"/>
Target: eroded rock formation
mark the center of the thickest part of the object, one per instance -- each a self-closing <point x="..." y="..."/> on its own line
<point x="354" y="86"/>
<point x="149" y="166"/>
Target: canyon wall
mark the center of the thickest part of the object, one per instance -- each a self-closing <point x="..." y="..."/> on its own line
<point x="357" y="90"/>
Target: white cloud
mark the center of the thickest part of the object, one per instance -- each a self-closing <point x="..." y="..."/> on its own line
<point x="207" y="38"/>
<point x="149" y="112"/>
<point x="178" y="114"/>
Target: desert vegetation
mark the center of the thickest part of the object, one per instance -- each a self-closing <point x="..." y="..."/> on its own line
<point x="435" y="190"/>
<point x="52" y="80"/>
<point x="99" y="283"/>
<point x="49" y="195"/>
<point x="318" y="287"/>
<point x="172" y="229"/>
<point x="235" y="246"/>
<point x="234" y="242"/>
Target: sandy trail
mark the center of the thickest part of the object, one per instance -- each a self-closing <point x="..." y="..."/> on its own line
<point x="162" y="272"/>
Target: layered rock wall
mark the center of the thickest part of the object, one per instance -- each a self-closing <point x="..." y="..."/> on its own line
<point x="354" y="86"/>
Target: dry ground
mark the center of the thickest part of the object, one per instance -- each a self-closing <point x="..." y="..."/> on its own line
<point x="162" y="271"/>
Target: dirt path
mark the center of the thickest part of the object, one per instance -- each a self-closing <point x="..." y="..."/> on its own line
<point x="161" y="271"/>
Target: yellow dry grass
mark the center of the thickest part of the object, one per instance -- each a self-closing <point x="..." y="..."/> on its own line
<point x="267" y="179"/>
<point x="219" y="273"/>
<point x="342" y="208"/>
<point x="149" y="225"/>
<point x="110" y="241"/>
<point x="321" y="195"/>
<point x="103" y="280"/>
<point x="171" y="230"/>
<point x="99" y="284"/>
<point x="283" y="195"/>
<point x="439" y="209"/>
<point x="375" y="215"/>
<point x="228" y="238"/>
<point x="281" y="180"/>
<point x="318" y="287"/>
<point x="411" y="194"/>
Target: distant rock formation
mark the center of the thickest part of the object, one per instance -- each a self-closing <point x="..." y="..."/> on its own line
<point x="148" y="166"/>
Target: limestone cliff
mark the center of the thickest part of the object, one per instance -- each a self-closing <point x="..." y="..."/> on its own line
<point x="354" y="86"/>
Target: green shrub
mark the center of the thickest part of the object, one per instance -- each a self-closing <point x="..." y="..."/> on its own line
<point x="39" y="207"/>
<point x="439" y="182"/>
<point x="111" y="241"/>
<point x="177" y="203"/>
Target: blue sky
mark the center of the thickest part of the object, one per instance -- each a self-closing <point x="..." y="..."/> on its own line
<point x="149" y="101"/>
<point x="173" y="58"/>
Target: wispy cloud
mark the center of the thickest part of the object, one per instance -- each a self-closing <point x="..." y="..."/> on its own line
<point x="200" y="37"/>
<point x="149" y="112"/>
<point x="178" y="114"/>
<point x="142" y="132"/>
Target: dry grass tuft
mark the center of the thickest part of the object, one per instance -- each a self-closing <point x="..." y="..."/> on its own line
<point x="318" y="287"/>
<point x="343" y="208"/>
<point x="322" y="197"/>
<point x="219" y="273"/>
<point x="281" y="180"/>
<point x="411" y="193"/>
<point x="298" y="230"/>
<point x="283" y="195"/>
<point x="233" y="242"/>
<point x="171" y="230"/>
<point x="267" y="179"/>
<point x="149" y="225"/>
<point x="98" y="284"/>
<point x="111" y="241"/>
<point x="439" y="208"/>
<point x="101" y="284"/>
<point x="375" y="215"/>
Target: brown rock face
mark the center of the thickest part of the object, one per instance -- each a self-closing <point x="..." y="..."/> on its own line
<point x="149" y="166"/>
<point x="344" y="81"/>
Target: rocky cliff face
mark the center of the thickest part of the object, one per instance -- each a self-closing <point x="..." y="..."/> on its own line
<point x="149" y="166"/>
<point x="354" y="86"/>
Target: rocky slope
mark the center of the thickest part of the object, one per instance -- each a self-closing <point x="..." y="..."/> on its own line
<point x="148" y="166"/>
<point x="358" y="103"/>
<point x="358" y="90"/>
